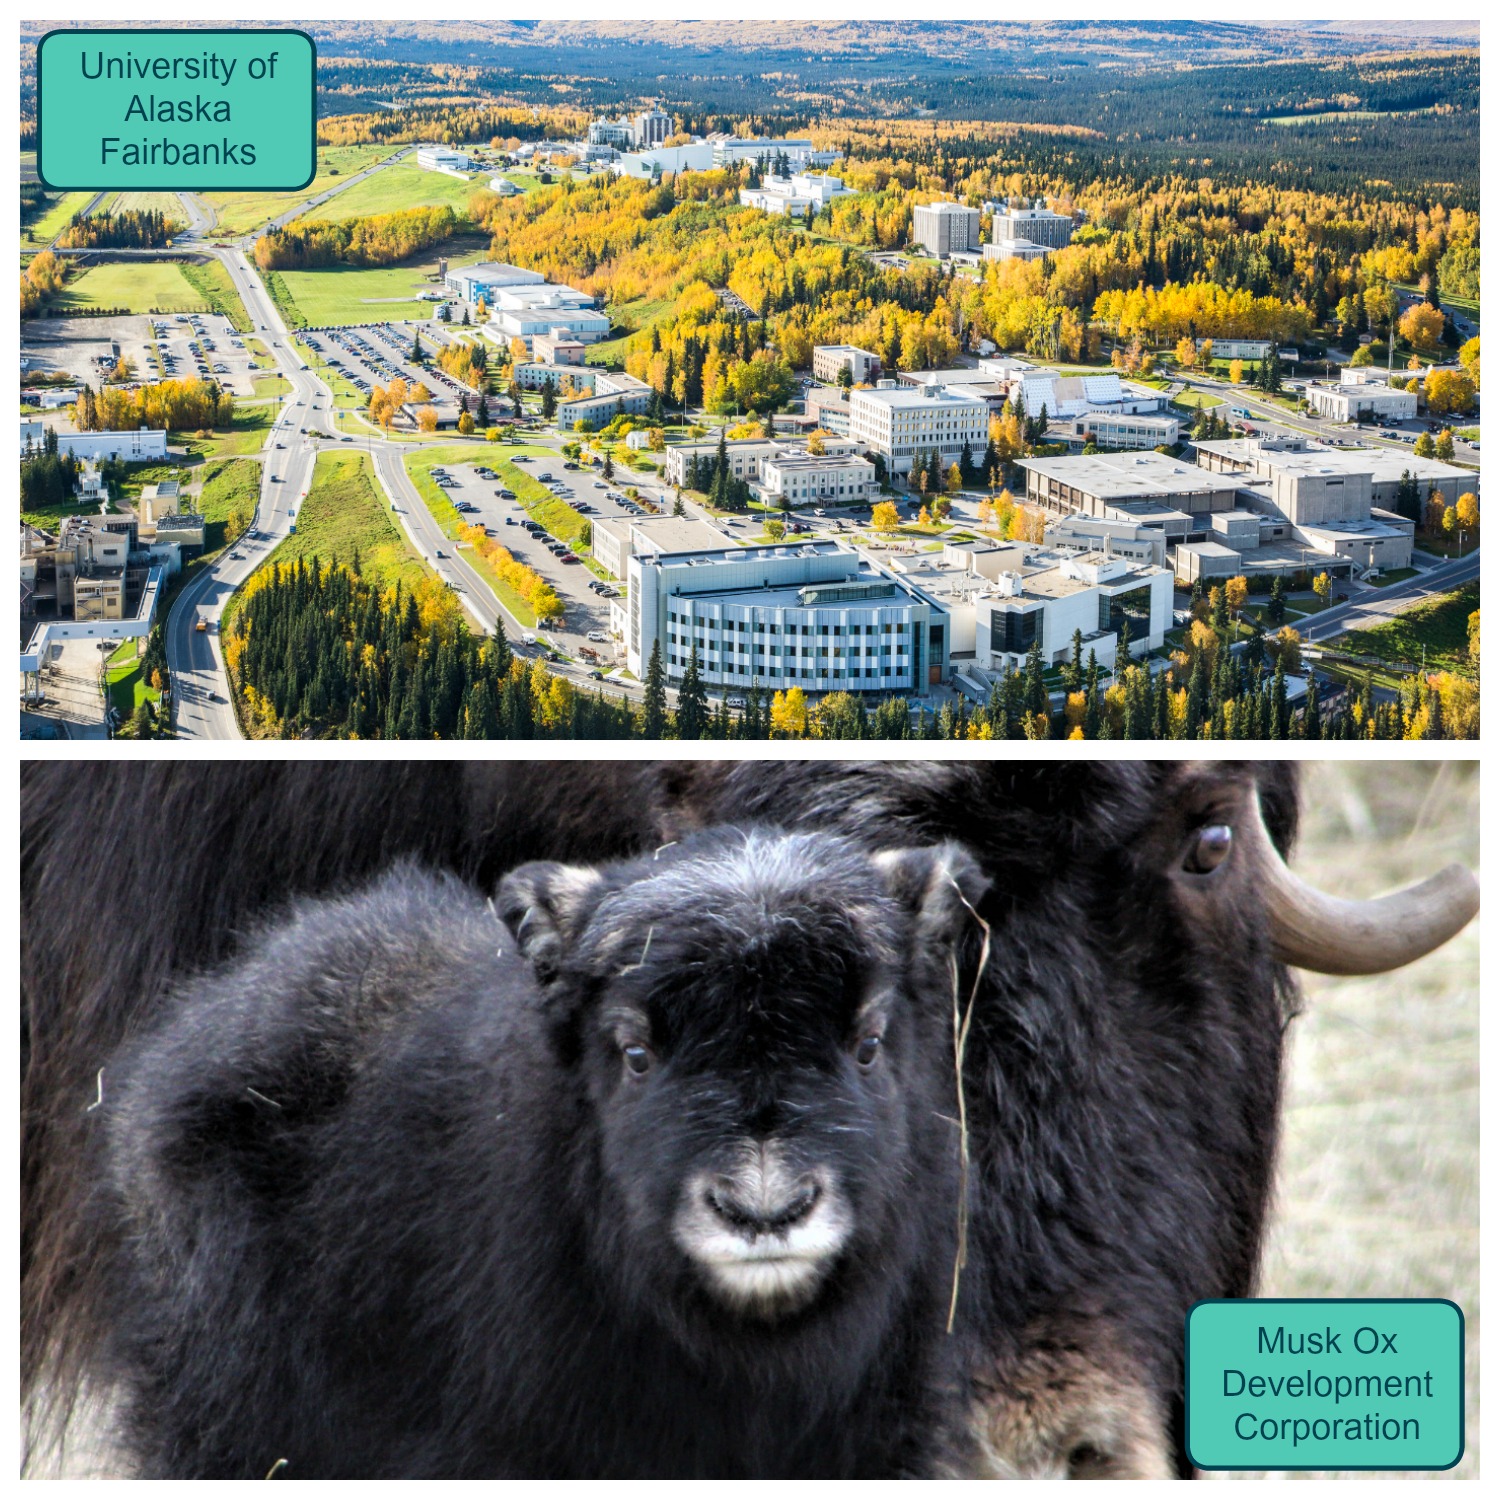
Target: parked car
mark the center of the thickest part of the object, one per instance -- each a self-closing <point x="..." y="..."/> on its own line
<point x="598" y="635"/>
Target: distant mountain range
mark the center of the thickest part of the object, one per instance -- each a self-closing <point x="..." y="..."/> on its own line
<point x="981" y="45"/>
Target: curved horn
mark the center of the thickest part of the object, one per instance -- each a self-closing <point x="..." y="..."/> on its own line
<point x="1331" y="935"/>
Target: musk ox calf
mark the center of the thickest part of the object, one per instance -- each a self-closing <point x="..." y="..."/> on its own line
<point x="655" y="1175"/>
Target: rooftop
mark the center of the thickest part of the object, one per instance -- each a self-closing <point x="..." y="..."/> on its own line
<point x="905" y="397"/>
<point x="1384" y="465"/>
<point x="1130" y="475"/>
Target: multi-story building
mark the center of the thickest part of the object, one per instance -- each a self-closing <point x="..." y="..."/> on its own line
<point x="619" y="538"/>
<point x="817" y="615"/>
<point x="902" y="424"/>
<point x="650" y="128"/>
<point x="615" y="133"/>
<point x="746" y="457"/>
<point x="525" y="309"/>
<point x="795" y="194"/>
<point x="731" y="150"/>
<point x="1037" y="224"/>
<point x="443" y="159"/>
<point x="566" y="380"/>
<point x="132" y="446"/>
<point x="615" y="394"/>
<point x="471" y="283"/>
<point x="942" y="228"/>
<point x="829" y="359"/>
<point x="791" y="479"/>
<point x="828" y="406"/>
<point x="1361" y="393"/>
<point x="1248" y="349"/>
<point x="558" y="349"/>
<point x="1115" y="429"/>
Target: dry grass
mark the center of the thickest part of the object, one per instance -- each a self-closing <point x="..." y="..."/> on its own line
<point x="1379" y="1181"/>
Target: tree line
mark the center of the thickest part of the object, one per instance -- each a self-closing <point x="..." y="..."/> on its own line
<point x="144" y="228"/>
<point x="378" y="240"/>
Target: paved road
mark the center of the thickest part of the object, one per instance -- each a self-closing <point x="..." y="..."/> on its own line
<point x="1373" y="606"/>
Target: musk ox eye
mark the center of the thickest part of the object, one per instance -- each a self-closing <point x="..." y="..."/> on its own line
<point x="1209" y="848"/>
<point x="866" y="1051"/>
<point x="637" y="1058"/>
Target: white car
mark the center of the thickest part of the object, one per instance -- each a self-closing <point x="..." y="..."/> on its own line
<point x="598" y="635"/>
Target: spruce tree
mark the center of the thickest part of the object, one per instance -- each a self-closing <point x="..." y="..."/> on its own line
<point x="654" y="705"/>
<point x="692" y="702"/>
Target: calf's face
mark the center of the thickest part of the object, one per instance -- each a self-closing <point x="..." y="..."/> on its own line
<point x="762" y="1028"/>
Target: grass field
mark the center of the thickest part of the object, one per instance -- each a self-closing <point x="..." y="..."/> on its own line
<point x="246" y="434"/>
<point x="1440" y="627"/>
<point x="125" y="682"/>
<point x="340" y="295"/>
<point x="239" y="213"/>
<point x="344" y="514"/>
<point x="634" y="317"/>
<point x="229" y="486"/>
<point x="401" y="185"/>
<point x="1198" y="400"/>
<point x="164" y="203"/>
<point x="212" y="284"/>
<point x="1378" y="1188"/>
<point x="47" y="226"/>
<point x="140" y="286"/>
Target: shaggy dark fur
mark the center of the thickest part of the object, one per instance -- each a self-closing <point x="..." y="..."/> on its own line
<point x="1123" y="1075"/>
<point x="387" y="1197"/>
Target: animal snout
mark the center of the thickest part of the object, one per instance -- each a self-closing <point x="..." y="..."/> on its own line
<point x="765" y="1212"/>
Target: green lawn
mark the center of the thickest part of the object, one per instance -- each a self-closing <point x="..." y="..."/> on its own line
<point x="270" y="386"/>
<point x="46" y="227"/>
<point x="345" y="513"/>
<point x="1440" y="626"/>
<point x="211" y="282"/>
<point x="139" y="286"/>
<point x="239" y="213"/>
<point x="125" y="683"/>
<point x="246" y="434"/>
<point x="402" y="185"/>
<point x="634" y="317"/>
<point x="338" y="295"/>
<point x="1397" y="575"/>
<point x="229" y="486"/>
<point x="1197" y="400"/>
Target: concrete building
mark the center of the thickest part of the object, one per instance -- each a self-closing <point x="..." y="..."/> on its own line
<point x="525" y="310"/>
<point x="619" y="538"/>
<point x="649" y="165"/>
<point x="616" y="133"/>
<point x="504" y="187"/>
<point x="1037" y="224"/>
<point x="615" y="394"/>
<point x="829" y="359"/>
<point x="443" y="159"/>
<point x="746" y="457"/>
<point x="902" y="424"/>
<point x="795" y="155"/>
<point x="791" y="479"/>
<point x="471" y="283"/>
<point x="795" y="195"/>
<point x="1001" y="598"/>
<point x="572" y="380"/>
<point x="133" y="446"/>
<point x="1009" y="249"/>
<point x="1310" y="483"/>
<point x="1143" y="488"/>
<point x="1253" y="351"/>
<point x="828" y="408"/>
<point x="650" y="128"/>
<point x="1115" y="430"/>
<point x="941" y="228"/>
<point x="558" y="349"/>
<point x="814" y="615"/>
<point x="1361" y="393"/>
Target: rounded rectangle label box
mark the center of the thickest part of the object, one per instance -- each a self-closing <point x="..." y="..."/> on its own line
<point x="177" y="111"/>
<point x="1317" y="1383"/>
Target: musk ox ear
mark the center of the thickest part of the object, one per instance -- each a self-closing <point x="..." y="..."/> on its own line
<point x="546" y="906"/>
<point x="942" y="888"/>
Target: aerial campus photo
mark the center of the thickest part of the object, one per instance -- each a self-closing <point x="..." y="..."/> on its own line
<point x="851" y="379"/>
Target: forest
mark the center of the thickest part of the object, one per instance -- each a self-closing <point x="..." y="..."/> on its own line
<point x="378" y="240"/>
<point x="148" y="229"/>
<point x="188" y="405"/>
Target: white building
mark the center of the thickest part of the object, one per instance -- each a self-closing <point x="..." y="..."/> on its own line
<point x="650" y="128"/>
<point x="941" y="228"/>
<point x="1115" y="429"/>
<point x="1072" y="395"/>
<point x="615" y="394"/>
<point x="504" y="187"/>
<point x="816" y="615"/>
<point x="470" y="283"/>
<point x="139" y="443"/>
<point x="619" y="538"/>
<point x="746" y="457"/>
<point x="524" y="311"/>
<point x="443" y="159"/>
<point x="829" y="359"/>
<point x="1361" y="393"/>
<point x="50" y="399"/>
<point x="902" y="424"/>
<point x="616" y="133"/>
<point x="730" y="151"/>
<point x="1012" y="249"/>
<point x="698" y="156"/>
<point x="796" y="194"/>
<point x="1037" y="224"/>
<point x="791" y="479"/>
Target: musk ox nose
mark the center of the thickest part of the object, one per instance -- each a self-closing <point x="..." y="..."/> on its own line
<point x="765" y="1214"/>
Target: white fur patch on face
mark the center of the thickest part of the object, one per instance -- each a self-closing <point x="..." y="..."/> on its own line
<point x="764" y="1235"/>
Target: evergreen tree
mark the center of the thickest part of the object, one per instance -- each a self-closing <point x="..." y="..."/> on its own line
<point x="654" y="704"/>
<point x="692" y="702"/>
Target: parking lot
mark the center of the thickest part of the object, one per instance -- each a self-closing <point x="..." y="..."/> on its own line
<point x="475" y="495"/>
<point x="378" y="353"/>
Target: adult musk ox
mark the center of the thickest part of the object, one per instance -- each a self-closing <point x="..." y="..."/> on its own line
<point x="666" y="1186"/>
<point x="1121" y="1074"/>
